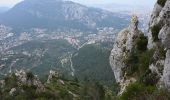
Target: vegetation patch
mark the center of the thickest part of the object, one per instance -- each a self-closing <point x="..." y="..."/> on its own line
<point x="141" y="42"/>
<point x="155" y="31"/>
<point x="68" y="89"/>
<point x="162" y="52"/>
<point x="138" y="91"/>
<point x="92" y="63"/>
<point x="161" y="2"/>
<point x="149" y="78"/>
<point x="138" y="60"/>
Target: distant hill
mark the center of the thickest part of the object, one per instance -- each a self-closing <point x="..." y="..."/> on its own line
<point x="4" y="9"/>
<point x="60" y="14"/>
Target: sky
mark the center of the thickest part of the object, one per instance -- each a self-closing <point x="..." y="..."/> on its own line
<point x="10" y="3"/>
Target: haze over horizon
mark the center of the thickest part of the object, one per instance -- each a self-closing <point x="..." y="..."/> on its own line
<point x="11" y="3"/>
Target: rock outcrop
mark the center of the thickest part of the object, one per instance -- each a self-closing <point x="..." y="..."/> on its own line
<point x="160" y="41"/>
<point x="52" y="75"/>
<point x="157" y="70"/>
<point x="123" y="46"/>
<point x="27" y="78"/>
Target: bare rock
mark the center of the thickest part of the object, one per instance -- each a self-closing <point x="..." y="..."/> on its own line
<point x="12" y="91"/>
<point x="123" y="46"/>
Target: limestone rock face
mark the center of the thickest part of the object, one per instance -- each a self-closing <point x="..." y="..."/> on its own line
<point x="25" y="78"/>
<point x="166" y="72"/>
<point x="124" y="44"/>
<point x="154" y="21"/>
<point x="160" y="29"/>
<point x="158" y="42"/>
<point x="13" y="90"/>
<point x="117" y="55"/>
<point x="51" y="75"/>
<point x="164" y="34"/>
<point x="2" y="83"/>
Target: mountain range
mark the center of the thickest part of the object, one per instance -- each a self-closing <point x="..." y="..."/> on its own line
<point x="59" y="14"/>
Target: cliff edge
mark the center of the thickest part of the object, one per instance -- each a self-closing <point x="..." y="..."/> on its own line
<point x="144" y="59"/>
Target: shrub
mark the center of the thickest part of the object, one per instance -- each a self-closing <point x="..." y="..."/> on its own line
<point x="137" y="91"/>
<point x="30" y="75"/>
<point x="131" y="63"/>
<point x="138" y="62"/>
<point x="161" y="94"/>
<point x="161" y="2"/>
<point x="145" y="59"/>
<point x="162" y="52"/>
<point x="11" y="81"/>
<point x="141" y="42"/>
<point x="149" y="78"/>
<point x="155" y="31"/>
<point x="138" y="57"/>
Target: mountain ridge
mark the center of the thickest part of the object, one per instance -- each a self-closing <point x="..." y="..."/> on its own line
<point x="58" y="14"/>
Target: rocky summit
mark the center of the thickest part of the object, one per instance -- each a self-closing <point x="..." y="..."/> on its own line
<point x="124" y="45"/>
<point x="136" y="58"/>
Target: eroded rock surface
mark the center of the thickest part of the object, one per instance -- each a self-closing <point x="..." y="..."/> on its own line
<point x="123" y="46"/>
<point x="159" y="39"/>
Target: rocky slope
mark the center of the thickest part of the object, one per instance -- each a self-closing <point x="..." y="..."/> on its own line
<point x="160" y="40"/>
<point x="132" y="61"/>
<point x="26" y="86"/>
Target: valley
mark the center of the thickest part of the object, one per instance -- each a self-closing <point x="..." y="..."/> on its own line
<point x="45" y="43"/>
<point x="71" y="39"/>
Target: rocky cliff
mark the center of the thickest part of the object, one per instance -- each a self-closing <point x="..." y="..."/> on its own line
<point x="136" y="57"/>
<point x="160" y="41"/>
<point x="124" y="45"/>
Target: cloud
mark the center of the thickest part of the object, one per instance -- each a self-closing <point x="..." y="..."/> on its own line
<point x="11" y="3"/>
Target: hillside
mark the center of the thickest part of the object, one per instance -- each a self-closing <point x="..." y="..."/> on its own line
<point x="26" y="86"/>
<point x="91" y="62"/>
<point x="38" y="57"/>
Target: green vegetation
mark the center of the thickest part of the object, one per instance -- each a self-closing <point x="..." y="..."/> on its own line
<point x="162" y="52"/>
<point x="39" y="57"/>
<point x="155" y="31"/>
<point x="138" y="91"/>
<point x="139" y="59"/>
<point x="149" y="78"/>
<point x="92" y="63"/>
<point x="59" y="88"/>
<point x="138" y="62"/>
<point x="161" y="2"/>
<point x="141" y="42"/>
<point x="29" y="75"/>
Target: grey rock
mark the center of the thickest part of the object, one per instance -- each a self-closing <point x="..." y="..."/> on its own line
<point x="12" y="91"/>
<point x="161" y="17"/>
<point x="123" y="46"/>
<point x="166" y="72"/>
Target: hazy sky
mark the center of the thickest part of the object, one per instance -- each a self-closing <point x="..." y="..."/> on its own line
<point x="11" y="3"/>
